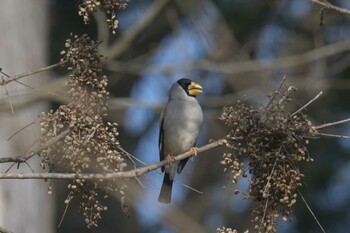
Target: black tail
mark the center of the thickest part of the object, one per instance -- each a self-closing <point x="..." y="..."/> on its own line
<point x="165" y="191"/>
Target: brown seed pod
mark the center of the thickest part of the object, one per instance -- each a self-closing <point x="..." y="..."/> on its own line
<point x="91" y="145"/>
<point x="273" y="142"/>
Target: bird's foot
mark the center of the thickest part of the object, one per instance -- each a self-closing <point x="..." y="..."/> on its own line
<point x="170" y="159"/>
<point x="194" y="150"/>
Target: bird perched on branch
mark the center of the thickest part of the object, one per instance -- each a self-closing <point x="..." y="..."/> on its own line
<point x="180" y="122"/>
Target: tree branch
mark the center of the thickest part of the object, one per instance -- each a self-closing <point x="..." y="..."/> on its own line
<point x="16" y="77"/>
<point x="124" y="174"/>
<point x="24" y="158"/>
<point x="331" y="124"/>
<point x="328" y="5"/>
<point x="308" y="103"/>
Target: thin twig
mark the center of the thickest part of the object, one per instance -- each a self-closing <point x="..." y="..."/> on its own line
<point x="6" y="91"/>
<point x="328" y="5"/>
<point x="21" y="130"/>
<point x="31" y="169"/>
<point x="26" y="85"/>
<point x="308" y="103"/>
<point x="265" y="194"/>
<point x="124" y="174"/>
<point x="275" y="93"/>
<point x="9" y="98"/>
<point x="331" y="124"/>
<point x="139" y="182"/>
<point x="24" y="158"/>
<point x="265" y="210"/>
<point x="16" y="77"/>
<point x="64" y="214"/>
<point x="312" y="213"/>
<point x="8" y="169"/>
<point x="28" y="147"/>
<point x="35" y="89"/>
<point x="132" y="158"/>
<point x="287" y="94"/>
<point x="332" y="135"/>
<point x="189" y="187"/>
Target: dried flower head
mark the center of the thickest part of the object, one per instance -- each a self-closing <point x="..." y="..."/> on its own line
<point x="274" y="142"/>
<point x="91" y="144"/>
<point x="87" y="7"/>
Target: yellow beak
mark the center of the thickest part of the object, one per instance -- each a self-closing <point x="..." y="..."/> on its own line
<point x="195" y="88"/>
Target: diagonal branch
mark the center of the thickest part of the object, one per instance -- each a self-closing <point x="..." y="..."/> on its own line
<point x="331" y="124"/>
<point x="328" y="5"/>
<point x="24" y="158"/>
<point x="46" y="68"/>
<point x="124" y="174"/>
<point x="308" y="103"/>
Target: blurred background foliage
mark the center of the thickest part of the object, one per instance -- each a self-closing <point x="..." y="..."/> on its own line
<point x="237" y="49"/>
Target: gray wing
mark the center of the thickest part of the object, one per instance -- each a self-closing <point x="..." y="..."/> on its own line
<point x="161" y="139"/>
<point x="182" y="164"/>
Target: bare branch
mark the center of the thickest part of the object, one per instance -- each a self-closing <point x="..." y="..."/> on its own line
<point x="24" y="158"/>
<point x="16" y="77"/>
<point x="20" y="130"/>
<point x="332" y="135"/>
<point x="331" y="124"/>
<point x="312" y="213"/>
<point x="308" y="103"/>
<point x="328" y="5"/>
<point x="124" y="174"/>
<point x="8" y="97"/>
<point x="287" y="94"/>
<point x="277" y="92"/>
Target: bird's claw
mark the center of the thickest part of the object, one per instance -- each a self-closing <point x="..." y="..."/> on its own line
<point x="194" y="151"/>
<point x="170" y="159"/>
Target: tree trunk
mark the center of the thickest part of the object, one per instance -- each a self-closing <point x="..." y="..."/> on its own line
<point x="25" y="206"/>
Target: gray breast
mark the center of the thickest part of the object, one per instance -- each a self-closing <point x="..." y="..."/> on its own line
<point x="182" y="122"/>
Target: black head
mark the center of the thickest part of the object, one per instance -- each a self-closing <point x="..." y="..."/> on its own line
<point x="190" y="87"/>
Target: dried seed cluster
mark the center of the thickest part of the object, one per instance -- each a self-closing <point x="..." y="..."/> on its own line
<point x="87" y="7"/>
<point x="91" y="144"/>
<point x="273" y="142"/>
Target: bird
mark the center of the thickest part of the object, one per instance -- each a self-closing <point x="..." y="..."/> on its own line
<point x="180" y="123"/>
